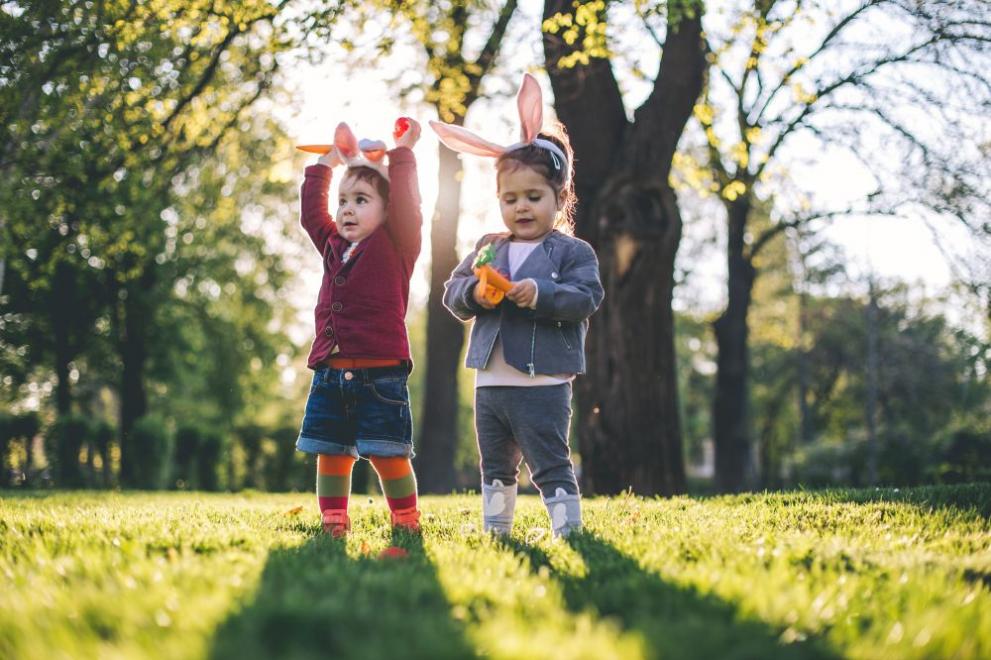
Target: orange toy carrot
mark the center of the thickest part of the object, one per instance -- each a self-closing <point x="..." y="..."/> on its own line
<point x="493" y="284"/>
<point x="401" y="126"/>
<point x="316" y="148"/>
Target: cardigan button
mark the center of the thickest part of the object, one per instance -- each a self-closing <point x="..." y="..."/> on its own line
<point x="337" y="307"/>
<point x="328" y="331"/>
<point x="554" y="276"/>
<point x="339" y="280"/>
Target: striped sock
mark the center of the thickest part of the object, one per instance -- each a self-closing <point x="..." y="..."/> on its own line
<point x="334" y="481"/>
<point x="398" y="481"/>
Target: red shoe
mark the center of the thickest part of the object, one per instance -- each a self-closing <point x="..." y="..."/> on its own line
<point x="407" y="519"/>
<point x="336" y="523"/>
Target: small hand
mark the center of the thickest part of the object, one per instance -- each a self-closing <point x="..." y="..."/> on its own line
<point x="523" y="293"/>
<point x="331" y="159"/>
<point x="410" y="137"/>
<point x="479" y="294"/>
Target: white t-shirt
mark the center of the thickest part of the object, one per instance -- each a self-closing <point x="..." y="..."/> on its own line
<point x="498" y="372"/>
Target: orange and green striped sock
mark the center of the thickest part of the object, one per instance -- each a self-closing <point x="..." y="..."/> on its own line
<point x="398" y="481"/>
<point x="334" y="481"/>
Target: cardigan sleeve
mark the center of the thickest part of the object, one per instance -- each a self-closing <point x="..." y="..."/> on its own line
<point x="405" y="220"/>
<point x="314" y="216"/>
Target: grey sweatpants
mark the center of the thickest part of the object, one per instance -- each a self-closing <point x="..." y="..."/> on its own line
<point x="531" y="423"/>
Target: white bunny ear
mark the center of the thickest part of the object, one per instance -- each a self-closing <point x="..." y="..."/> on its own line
<point x="530" y="102"/>
<point x="462" y="140"/>
<point x="345" y="141"/>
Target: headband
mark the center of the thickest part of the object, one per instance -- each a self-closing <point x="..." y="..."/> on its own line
<point x="363" y="153"/>
<point x="529" y="103"/>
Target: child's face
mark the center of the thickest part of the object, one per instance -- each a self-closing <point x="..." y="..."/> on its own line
<point x="528" y="203"/>
<point x="360" y="209"/>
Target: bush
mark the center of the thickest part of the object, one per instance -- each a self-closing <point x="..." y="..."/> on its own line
<point x="16" y="432"/>
<point x="188" y="440"/>
<point x="63" y="444"/>
<point x="966" y="457"/>
<point x="209" y="460"/>
<point x="284" y="469"/>
<point x="101" y="435"/>
<point x="151" y="447"/>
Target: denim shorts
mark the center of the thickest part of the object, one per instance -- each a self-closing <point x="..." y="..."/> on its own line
<point x="358" y="412"/>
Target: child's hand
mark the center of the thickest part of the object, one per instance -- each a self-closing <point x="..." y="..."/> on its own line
<point x="331" y="159"/>
<point x="523" y="293"/>
<point x="479" y="294"/>
<point x="411" y="135"/>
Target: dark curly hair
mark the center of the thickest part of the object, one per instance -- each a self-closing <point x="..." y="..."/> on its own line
<point x="371" y="177"/>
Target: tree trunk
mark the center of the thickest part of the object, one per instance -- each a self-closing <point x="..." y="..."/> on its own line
<point x="61" y="315"/>
<point x="132" y="347"/>
<point x="730" y="419"/>
<point x="445" y="337"/>
<point x="629" y="432"/>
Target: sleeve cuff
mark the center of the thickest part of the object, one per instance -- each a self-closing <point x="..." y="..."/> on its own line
<point x="536" y="296"/>
<point x="545" y="296"/>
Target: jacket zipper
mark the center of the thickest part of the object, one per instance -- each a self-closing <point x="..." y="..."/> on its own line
<point x="560" y="329"/>
<point x="533" y="343"/>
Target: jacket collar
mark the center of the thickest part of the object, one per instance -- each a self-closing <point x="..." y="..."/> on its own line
<point x="537" y="264"/>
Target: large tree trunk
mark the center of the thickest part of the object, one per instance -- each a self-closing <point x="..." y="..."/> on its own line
<point x="628" y="423"/>
<point x="730" y="421"/>
<point x="629" y="432"/>
<point x="445" y="337"/>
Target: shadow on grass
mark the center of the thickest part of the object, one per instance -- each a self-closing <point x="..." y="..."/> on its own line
<point x="314" y="601"/>
<point x="675" y="621"/>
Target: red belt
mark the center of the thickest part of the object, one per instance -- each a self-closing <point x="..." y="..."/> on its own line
<point x="360" y="363"/>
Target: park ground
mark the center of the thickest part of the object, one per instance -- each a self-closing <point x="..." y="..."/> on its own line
<point x="843" y="573"/>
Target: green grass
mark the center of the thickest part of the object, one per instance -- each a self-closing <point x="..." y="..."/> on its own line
<point x="797" y="575"/>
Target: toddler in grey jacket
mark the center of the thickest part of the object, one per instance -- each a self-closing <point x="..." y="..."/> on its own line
<point x="528" y="347"/>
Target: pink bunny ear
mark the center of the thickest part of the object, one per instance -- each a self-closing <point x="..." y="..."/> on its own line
<point x="530" y="102"/>
<point x="464" y="141"/>
<point x="345" y="141"/>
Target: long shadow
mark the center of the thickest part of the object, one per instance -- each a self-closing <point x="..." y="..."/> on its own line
<point x="675" y="621"/>
<point x="314" y="601"/>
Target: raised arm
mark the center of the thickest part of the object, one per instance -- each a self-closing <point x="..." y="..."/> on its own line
<point x="405" y="221"/>
<point x="314" y="216"/>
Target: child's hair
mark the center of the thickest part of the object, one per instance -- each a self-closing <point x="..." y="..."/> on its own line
<point x="371" y="177"/>
<point x="558" y="178"/>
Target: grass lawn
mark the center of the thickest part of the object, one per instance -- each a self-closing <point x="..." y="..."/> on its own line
<point x="874" y="574"/>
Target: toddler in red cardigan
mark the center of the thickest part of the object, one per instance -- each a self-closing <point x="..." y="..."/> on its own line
<point x="358" y="406"/>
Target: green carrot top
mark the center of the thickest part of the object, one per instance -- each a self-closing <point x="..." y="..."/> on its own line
<point x="485" y="256"/>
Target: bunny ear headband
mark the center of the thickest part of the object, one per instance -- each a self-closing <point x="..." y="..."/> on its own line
<point x="364" y="153"/>
<point x="529" y="102"/>
<point x="355" y="153"/>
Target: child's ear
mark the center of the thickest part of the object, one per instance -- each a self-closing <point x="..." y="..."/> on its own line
<point x="562" y="197"/>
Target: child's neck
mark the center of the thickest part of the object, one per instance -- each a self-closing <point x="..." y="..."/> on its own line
<point x="539" y="239"/>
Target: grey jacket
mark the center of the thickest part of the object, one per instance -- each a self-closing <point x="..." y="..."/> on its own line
<point x="549" y="339"/>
